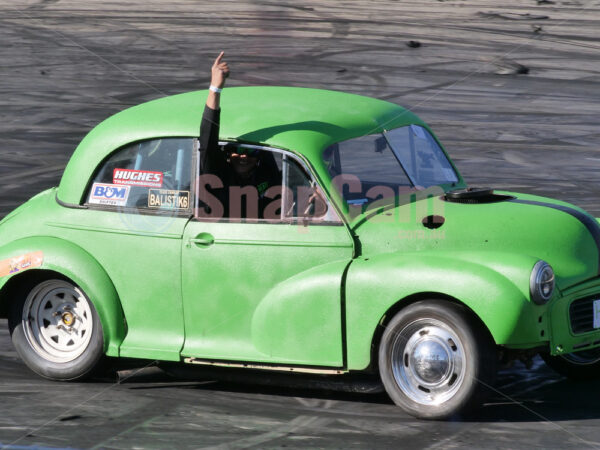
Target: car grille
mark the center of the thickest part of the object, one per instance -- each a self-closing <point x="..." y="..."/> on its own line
<point x="581" y="313"/>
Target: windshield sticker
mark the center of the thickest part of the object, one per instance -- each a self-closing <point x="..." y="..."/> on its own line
<point x="168" y="199"/>
<point x="109" y="194"/>
<point x="20" y="263"/>
<point x="132" y="177"/>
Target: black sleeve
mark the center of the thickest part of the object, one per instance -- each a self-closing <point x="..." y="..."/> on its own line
<point x="212" y="160"/>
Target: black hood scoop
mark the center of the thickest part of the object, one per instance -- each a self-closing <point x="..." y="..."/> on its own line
<point x="475" y="195"/>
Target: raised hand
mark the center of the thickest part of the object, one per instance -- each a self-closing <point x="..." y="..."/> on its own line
<point x="219" y="72"/>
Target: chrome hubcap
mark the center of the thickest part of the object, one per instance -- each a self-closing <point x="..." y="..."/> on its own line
<point x="428" y="361"/>
<point x="57" y="321"/>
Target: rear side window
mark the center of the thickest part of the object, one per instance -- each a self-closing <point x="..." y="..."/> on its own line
<point x="154" y="175"/>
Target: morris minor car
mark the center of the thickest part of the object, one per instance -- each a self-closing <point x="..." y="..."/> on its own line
<point x="370" y="254"/>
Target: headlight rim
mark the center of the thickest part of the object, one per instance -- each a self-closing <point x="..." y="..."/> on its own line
<point x="535" y="283"/>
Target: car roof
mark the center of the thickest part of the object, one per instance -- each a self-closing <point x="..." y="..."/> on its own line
<point x="303" y="120"/>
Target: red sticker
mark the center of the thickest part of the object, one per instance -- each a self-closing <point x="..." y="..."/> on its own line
<point x="131" y="177"/>
<point x="20" y="263"/>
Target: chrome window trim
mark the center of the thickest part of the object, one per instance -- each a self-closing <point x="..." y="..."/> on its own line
<point x="331" y="217"/>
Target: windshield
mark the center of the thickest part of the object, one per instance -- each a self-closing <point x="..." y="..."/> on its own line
<point x="386" y="165"/>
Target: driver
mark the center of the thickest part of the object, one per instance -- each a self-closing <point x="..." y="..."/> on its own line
<point x="231" y="165"/>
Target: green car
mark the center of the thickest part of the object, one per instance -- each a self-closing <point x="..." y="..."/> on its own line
<point x="368" y="253"/>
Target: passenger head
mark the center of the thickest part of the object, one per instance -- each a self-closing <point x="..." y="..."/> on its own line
<point x="243" y="160"/>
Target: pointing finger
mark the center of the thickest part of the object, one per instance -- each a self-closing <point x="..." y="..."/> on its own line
<point x="218" y="60"/>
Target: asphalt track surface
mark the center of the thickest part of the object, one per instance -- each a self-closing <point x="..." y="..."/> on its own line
<point x="511" y="89"/>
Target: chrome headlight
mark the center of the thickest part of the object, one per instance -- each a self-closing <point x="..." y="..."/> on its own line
<point x="541" y="283"/>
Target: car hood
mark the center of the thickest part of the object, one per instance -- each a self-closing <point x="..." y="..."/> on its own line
<point x="562" y="234"/>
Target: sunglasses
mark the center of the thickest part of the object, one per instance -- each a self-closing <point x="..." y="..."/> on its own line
<point x="243" y="151"/>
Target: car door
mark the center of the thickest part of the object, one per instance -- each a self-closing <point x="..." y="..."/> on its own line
<point x="268" y="289"/>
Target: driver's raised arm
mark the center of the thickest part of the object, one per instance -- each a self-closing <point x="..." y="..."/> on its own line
<point x="209" y="127"/>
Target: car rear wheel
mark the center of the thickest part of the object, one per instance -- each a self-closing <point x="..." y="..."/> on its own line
<point x="584" y="365"/>
<point x="56" y="331"/>
<point x="435" y="361"/>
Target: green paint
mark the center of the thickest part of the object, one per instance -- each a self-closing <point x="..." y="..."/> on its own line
<point x="274" y="293"/>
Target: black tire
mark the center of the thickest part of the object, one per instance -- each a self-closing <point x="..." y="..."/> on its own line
<point x="431" y="388"/>
<point x="68" y="343"/>
<point x="584" y="365"/>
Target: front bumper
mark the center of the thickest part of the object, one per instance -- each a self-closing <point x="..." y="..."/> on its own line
<point x="572" y="319"/>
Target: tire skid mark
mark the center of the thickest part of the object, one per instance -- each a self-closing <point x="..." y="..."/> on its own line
<point x="299" y="423"/>
<point x="26" y="176"/>
<point x="141" y="424"/>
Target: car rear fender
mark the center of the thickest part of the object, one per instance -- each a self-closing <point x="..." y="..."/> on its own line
<point x="381" y="285"/>
<point x="70" y="261"/>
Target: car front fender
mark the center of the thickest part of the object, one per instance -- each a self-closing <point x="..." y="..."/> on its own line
<point x="494" y="286"/>
<point x="71" y="261"/>
<point x="299" y="320"/>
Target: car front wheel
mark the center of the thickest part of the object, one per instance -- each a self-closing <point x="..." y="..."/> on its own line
<point x="56" y="331"/>
<point x="435" y="361"/>
<point x="584" y="365"/>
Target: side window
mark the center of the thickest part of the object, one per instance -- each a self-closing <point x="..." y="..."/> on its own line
<point x="154" y="175"/>
<point x="242" y="182"/>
